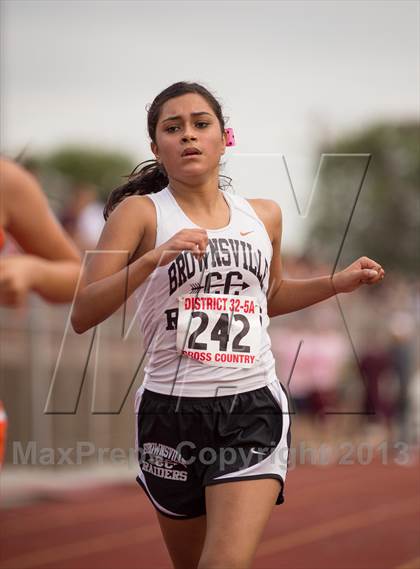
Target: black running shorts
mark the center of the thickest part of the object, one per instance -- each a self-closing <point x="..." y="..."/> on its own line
<point x="185" y="444"/>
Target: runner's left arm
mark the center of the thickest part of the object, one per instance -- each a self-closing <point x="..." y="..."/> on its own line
<point x="289" y="295"/>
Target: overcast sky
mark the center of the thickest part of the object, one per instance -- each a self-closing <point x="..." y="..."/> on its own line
<point x="287" y="74"/>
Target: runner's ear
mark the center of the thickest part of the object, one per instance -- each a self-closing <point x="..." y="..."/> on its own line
<point x="154" y="149"/>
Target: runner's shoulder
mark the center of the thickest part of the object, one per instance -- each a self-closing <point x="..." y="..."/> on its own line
<point x="138" y="208"/>
<point x="137" y="202"/>
<point x="269" y="211"/>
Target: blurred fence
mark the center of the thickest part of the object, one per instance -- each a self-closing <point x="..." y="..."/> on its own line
<point x="39" y="353"/>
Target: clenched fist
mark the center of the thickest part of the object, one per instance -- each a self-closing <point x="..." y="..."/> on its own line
<point x="362" y="271"/>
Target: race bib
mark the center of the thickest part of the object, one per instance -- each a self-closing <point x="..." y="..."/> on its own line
<point x="219" y="329"/>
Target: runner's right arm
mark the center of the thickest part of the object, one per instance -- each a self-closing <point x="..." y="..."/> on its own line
<point x="109" y="277"/>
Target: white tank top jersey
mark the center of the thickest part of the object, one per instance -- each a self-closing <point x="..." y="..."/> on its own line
<point x="204" y="322"/>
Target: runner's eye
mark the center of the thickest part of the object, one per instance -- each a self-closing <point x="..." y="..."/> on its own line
<point x="205" y="124"/>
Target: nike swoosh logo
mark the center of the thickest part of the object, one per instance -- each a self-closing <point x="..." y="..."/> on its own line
<point x="243" y="233"/>
<point x="257" y="452"/>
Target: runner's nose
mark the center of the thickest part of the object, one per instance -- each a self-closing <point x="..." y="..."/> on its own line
<point x="188" y="137"/>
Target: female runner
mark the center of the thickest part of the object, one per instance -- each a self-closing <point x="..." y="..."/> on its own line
<point x="212" y="418"/>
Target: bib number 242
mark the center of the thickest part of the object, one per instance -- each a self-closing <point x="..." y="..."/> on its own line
<point x="219" y="329"/>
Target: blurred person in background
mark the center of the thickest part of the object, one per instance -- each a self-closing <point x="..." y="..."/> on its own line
<point x="292" y="348"/>
<point x="329" y="353"/>
<point x="83" y="216"/>
<point x="36" y="255"/>
<point x="311" y="354"/>
<point x="381" y="394"/>
<point x="402" y="335"/>
<point x="413" y="408"/>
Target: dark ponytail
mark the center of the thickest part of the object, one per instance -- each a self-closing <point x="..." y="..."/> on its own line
<point x="152" y="177"/>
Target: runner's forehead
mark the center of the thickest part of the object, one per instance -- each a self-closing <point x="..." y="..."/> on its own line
<point x="185" y="106"/>
<point x="193" y="114"/>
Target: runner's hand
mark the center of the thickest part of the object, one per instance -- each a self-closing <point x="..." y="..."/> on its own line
<point x="194" y="240"/>
<point x="16" y="279"/>
<point x="362" y="271"/>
